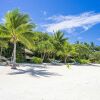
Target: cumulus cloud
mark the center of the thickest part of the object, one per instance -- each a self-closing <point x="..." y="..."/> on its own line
<point x="69" y="23"/>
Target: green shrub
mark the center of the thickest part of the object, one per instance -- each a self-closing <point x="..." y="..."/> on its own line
<point x="20" y="58"/>
<point x="92" y="60"/>
<point x="95" y="57"/>
<point x="98" y="62"/>
<point x="83" y="61"/>
<point x="70" y="60"/>
<point x="37" y="60"/>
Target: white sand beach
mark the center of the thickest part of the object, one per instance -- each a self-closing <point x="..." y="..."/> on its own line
<point x="50" y="82"/>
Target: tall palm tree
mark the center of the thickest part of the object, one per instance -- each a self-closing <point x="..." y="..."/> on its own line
<point x="58" y="41"/>
<point x="59" y="37"/>
<point x="18" y="27"/>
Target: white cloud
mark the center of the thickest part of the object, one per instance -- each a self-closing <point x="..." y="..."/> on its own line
<point x="44" y="12"/>
<point x="79" y="38"/>
<point x="70" y="24"/>
<point x="98" y="39"/>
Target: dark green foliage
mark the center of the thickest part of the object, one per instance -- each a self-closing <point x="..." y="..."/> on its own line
<point x="83" y="61"/>
<point x="37" y="60"/>
<point x="20" y="53"/>
<point x="7" y="52"/>
<point x="95" y="57"/>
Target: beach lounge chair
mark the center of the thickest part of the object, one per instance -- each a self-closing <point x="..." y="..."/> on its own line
<point x="55" y="62"/>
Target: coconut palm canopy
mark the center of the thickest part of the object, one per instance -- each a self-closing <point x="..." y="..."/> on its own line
<point x="18" y="28"/>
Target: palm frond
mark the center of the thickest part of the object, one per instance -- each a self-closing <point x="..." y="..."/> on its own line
<point x="25" y="40"/>
<point x="23" y="28"/>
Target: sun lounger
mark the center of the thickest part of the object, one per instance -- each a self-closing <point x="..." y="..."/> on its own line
<point x="55" y="62"/>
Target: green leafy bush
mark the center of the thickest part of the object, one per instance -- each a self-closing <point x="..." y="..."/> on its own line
<point x="37" y="60"/>
<point x="84" y="61"/>
<point x="98" y="62"/>
<point x="95" y="57"/>
<point x="20" y="58"/>
<point x="70" y="60"/>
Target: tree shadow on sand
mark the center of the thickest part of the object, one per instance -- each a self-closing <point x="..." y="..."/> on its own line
<point x="34" y="72"/>
<point x="33" y="65"/>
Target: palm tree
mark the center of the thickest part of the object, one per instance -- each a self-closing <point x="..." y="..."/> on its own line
<point x="18" y="27"/>
<point x="59" y="37"/>
<point x="58" y="41"/>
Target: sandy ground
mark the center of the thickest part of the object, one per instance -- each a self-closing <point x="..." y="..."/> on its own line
<point x="38" y="82"/>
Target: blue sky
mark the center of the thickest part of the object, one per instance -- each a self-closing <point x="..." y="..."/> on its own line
<point x="79" y="19"/>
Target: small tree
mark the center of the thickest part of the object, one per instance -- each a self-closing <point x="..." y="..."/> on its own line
<point x="43" y="44"/>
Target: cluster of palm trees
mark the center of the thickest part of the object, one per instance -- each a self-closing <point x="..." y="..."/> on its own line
<point x="17" y="28"/>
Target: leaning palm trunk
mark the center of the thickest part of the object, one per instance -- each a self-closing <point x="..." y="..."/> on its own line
<point x="14" y="57"/>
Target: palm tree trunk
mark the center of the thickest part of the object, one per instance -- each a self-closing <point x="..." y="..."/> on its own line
<point x="14" y="57"/>
<point x="43" y="56"/>
<point x="65" y="59"/>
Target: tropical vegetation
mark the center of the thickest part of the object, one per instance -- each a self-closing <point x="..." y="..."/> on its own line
<point x="20" y="41"/>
